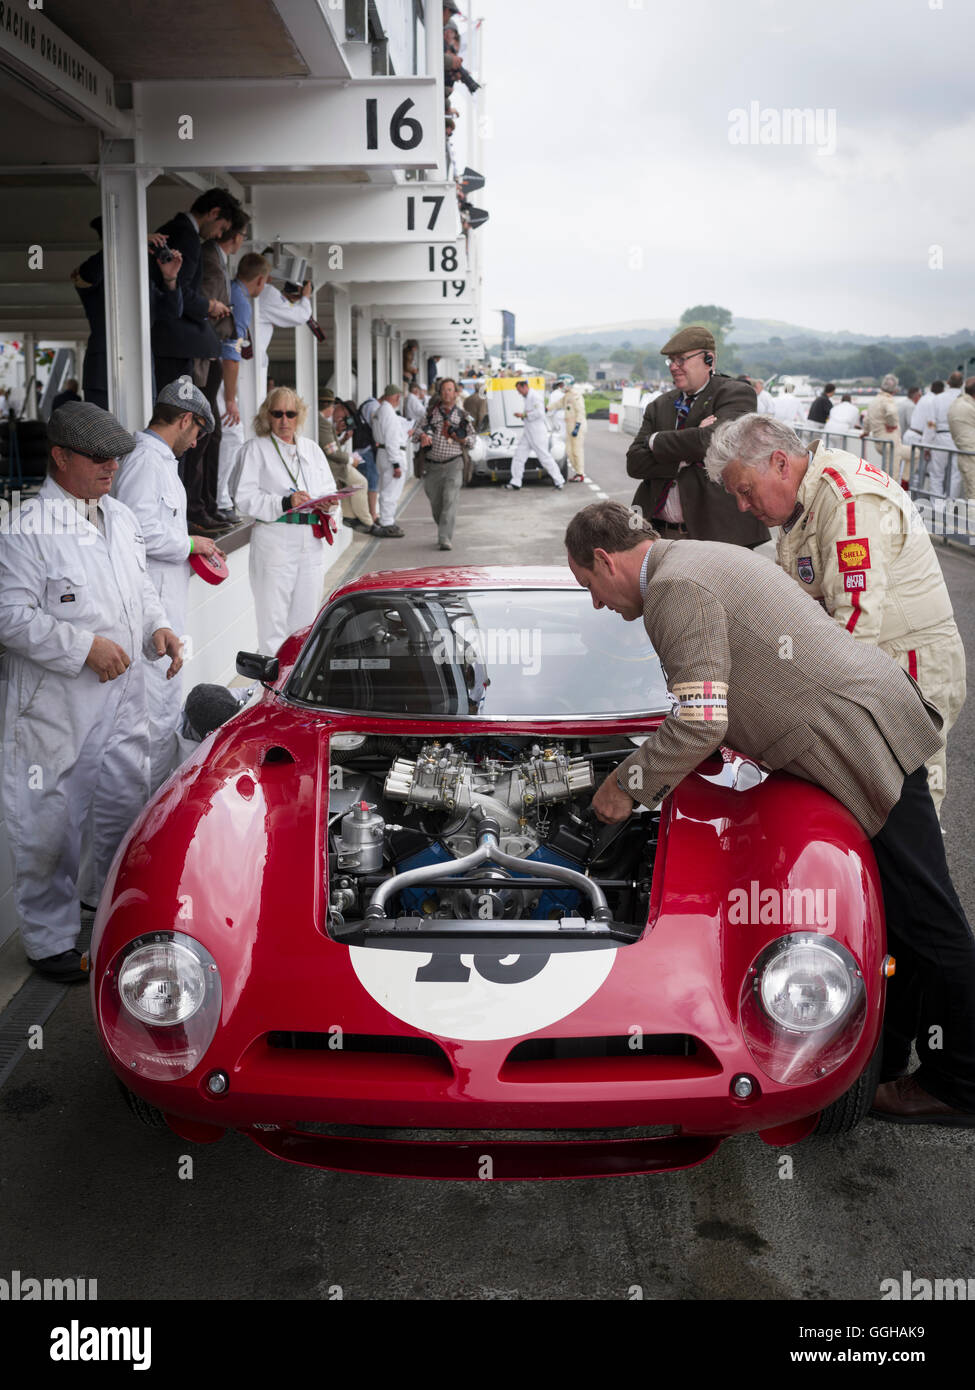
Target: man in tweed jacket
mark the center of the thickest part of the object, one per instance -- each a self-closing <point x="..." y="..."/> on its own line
<point x="675" y="494"/>
<point x="754" y="662"/>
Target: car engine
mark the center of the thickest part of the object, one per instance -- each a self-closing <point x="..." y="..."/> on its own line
<point x="396" y="805"/>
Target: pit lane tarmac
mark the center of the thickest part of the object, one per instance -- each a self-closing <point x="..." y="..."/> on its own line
<point x="85" y="1192"/>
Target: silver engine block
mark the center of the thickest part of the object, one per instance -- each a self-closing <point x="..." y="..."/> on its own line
<point x="516" y="794"/>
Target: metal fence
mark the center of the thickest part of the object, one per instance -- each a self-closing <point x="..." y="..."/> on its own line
<point x="939" y="497"/>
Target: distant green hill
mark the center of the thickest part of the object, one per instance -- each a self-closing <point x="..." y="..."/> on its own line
<point x="643" y="333"/>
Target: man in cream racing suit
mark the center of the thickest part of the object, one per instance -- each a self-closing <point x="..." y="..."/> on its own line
<point x="855" y="542"/>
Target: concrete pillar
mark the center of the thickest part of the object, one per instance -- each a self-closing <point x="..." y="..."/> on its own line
<point x="306" y="373"/>
<point x="379" y="365"/>
<point x="396" y="355"/>
<point x="365" y="386"/>
<point x="343" y="342"/>
<point x="127" y="331"/>
<point x="433" y="35"/>
<point x="379" y="338"/>
<point x="253" y="372"/>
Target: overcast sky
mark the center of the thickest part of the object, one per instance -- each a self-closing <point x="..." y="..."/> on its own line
<point x="608" y="148"/>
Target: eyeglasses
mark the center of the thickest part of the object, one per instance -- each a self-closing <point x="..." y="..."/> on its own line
<point x="277" y="414"/>
<point x="201" y="425"/>
<point x="99" y="460"/>
<point x="684" y="357"/>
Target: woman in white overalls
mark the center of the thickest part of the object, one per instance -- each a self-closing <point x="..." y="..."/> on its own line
<point x="275" y="473"/>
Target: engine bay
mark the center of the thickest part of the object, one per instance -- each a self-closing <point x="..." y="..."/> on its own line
<point x="404" y="812"/>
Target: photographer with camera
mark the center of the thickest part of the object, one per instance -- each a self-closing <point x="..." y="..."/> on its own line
<point x="177" y="342"/>
<point x="165" y="302"/>
<point x="448" y="434"/>
<point x="453" y="62"/>
<point x="287" y="307"/>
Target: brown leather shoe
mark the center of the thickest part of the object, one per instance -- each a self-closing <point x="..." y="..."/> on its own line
<point x="905" y="1103"/>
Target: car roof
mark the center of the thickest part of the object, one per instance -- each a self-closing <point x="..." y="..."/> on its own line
<point x="464" y="577"/>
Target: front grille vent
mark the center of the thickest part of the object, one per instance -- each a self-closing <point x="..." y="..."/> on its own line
<point x="357" y="1042"/>
<point x="559" y="1049"/>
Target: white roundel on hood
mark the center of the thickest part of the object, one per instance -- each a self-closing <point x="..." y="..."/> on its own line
<point x="477" y="997"/>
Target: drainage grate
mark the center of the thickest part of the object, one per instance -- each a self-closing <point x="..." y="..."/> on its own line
<point x="34" y="1002"/>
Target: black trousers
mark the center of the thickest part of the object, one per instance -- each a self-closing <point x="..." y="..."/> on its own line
<point x="200" y="465"/>
<point x="167" y="369"/>
<point x="931" y="999"/>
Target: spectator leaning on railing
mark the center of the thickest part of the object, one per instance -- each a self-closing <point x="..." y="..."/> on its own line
<point x="881" y="424"/>
<point x="844" y="416"/>
<point x="940" y="436"/>
<point x="961" y="421"/>
<point x="822" y="405"/>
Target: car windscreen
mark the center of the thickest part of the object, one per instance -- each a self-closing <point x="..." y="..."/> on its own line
<point x="492" y="652"/>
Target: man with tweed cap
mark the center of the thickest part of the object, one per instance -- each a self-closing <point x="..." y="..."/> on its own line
<point x="76" y="608"/>
<point x="838" y="713"/>
<point x="675" y="494"/>
<point x="148" y="483"/>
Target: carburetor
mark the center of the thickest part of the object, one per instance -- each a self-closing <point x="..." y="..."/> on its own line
<point x="445" y="779"/>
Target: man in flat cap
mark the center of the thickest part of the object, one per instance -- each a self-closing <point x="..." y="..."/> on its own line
<point x="675" y="494"/>
<point x="76" y="606"/>
<point x="344" y="466"/>
<point x="148" y="483"/>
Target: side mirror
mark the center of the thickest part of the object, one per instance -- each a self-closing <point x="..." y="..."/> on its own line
<point x="255" y="667"/>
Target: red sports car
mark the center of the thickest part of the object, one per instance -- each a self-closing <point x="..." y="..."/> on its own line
<point x="373" y="924"/>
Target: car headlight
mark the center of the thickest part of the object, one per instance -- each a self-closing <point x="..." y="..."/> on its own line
<point x="805" y="986"/>
<point x="802" y="1007"/>
<point x="159" y="1005"/>
<point x="162" y="984"/>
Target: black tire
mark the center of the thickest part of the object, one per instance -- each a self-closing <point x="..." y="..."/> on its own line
<point x="845" y="1114"/>
<point x="145" y="1113"/>
<point x="564" y="469"/>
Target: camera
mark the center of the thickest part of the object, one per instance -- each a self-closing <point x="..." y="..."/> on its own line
<point x="457" y="432"/>
<point x="163" y="254"/>
<point x="468" y="81"/>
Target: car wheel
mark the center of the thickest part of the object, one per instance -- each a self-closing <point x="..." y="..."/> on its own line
<point x="146" y="1114"/>
<point x="564" y="469"/>
<point x="846" y="1113"/>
